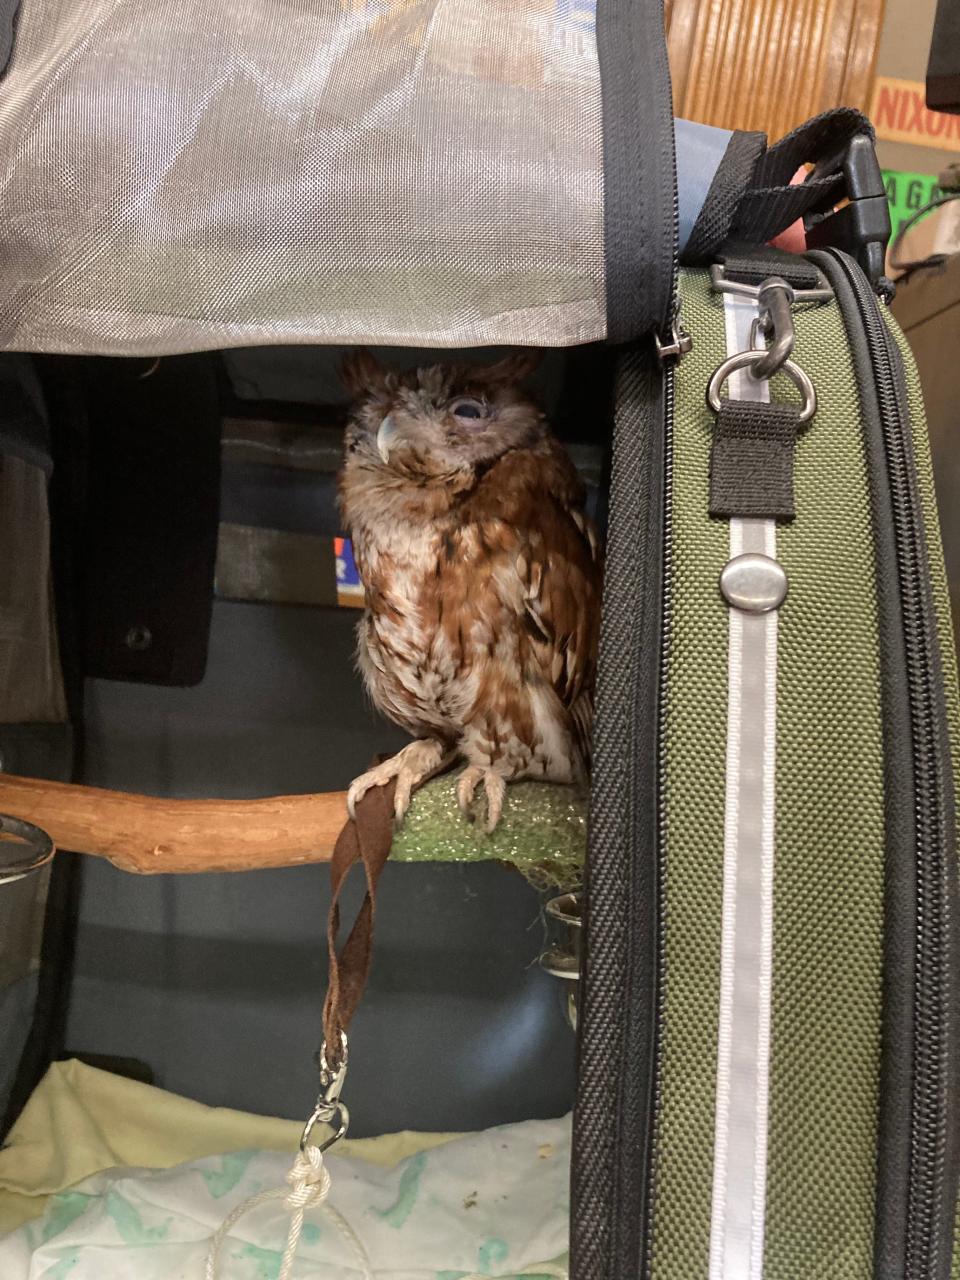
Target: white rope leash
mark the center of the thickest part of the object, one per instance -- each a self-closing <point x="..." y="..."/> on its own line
<point x="309" y="1183"/>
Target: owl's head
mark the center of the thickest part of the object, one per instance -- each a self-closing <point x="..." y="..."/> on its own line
<point x="438" y="423"/>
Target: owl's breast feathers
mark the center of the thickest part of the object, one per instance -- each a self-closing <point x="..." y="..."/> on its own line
<point x="482" y="609"/>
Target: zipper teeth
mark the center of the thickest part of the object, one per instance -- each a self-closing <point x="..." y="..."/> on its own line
<point x="669" y="382"/>
<point x="669" y="390"/>
<point x="928" y="1137"/>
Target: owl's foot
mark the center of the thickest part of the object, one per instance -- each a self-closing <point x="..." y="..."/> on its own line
<point x="493" y="785"/>
<point x="412" y="766"/>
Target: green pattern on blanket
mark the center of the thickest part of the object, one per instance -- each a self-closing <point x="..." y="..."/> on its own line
<point x="268" y="1261"/>
<point x="62" y="1268"/>
<point x="233" y="1167"/>
<point x="129" y="1223"/>
<point x="408" y="1191"/>
<point x="63" y="1212"/>
<point x="491" y="1253"/>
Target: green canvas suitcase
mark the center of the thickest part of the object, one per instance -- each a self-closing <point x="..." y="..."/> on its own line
<point x="768" y="1035"/>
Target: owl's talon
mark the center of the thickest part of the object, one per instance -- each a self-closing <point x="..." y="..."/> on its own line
<point x="411" y="767"/>
<point x="494" y="787"/>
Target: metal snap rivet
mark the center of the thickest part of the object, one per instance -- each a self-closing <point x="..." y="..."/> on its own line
<point x="139" y="638"/>
<point x="754" y="583"/>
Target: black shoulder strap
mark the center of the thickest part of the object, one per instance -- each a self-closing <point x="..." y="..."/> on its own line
<point x="752" y="198"/>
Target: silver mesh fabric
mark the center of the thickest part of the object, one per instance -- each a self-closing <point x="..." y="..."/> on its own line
<point x="239" y="172"/>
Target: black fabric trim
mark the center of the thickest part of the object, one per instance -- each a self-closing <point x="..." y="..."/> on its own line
<point x="751" y="462"/>
<point x="733" y="177"/>
<point x="639" y="168"/>
<point x="615" y="1114"/>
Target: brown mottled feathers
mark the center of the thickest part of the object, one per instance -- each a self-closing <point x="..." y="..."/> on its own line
<point x="481" y="571"/>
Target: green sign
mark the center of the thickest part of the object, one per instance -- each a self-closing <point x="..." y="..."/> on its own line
<point x="907" y="192"/>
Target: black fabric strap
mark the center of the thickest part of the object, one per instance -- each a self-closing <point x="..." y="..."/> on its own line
<point x="751" y="464"/>
<point x="766" y="211"/>
<point x="733" y="177"/>
<point x="821" y="141"/>
<point x="752" y="264"/>
<point x="773" y="204"/>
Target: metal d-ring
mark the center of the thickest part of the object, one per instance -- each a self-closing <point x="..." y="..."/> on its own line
<point x="750" y="360"/>
<point x="38" y="852"/>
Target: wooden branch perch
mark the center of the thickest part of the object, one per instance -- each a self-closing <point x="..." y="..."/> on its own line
<point x="150" y="835"/>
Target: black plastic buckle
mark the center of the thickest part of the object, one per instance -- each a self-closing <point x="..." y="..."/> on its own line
<point x="862" y="226"/>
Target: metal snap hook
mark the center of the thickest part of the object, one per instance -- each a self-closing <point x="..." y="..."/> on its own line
<point x="328" y="1103"/>
<point x="775" y="320"/>
<point x="323" y="1113"/>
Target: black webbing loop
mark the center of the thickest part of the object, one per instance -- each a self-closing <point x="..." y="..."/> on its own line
<point x="751" y="463"/>
<point x="752" y="264"/>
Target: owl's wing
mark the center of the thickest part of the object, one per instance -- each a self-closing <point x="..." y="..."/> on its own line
<point x="558" y="565"/>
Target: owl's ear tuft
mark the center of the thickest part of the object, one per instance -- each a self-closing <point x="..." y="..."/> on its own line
<point x="510" y="370"/>
<point x="362" y="373"/>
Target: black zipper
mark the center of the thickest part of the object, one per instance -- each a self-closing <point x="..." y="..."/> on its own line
<point x="916" y="1144"/>
<point x="614" y="1113"/>
<point x="612" y="1183"/>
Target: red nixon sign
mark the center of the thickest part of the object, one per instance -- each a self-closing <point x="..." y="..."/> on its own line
<point x="899" y="113"/>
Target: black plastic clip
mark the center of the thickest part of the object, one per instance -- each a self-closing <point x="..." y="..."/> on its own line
<point x="861" y="227"/>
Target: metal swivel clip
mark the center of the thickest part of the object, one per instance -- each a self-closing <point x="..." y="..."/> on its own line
<point x="772" y="337"/>
<point x="329" y="1108"/>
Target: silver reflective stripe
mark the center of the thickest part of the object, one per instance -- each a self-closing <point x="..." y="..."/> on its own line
<point x="743" y="1056"/>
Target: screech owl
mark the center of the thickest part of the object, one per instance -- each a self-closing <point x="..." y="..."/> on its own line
<point x="481" y="577"/>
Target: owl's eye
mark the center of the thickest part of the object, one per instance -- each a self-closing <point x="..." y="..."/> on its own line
<point x="468" y="408"/>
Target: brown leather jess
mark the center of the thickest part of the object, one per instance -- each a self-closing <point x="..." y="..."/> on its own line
<point x="367" y="839"/>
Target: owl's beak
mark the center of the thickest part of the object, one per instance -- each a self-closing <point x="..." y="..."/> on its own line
<point x="386" y="436"/>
